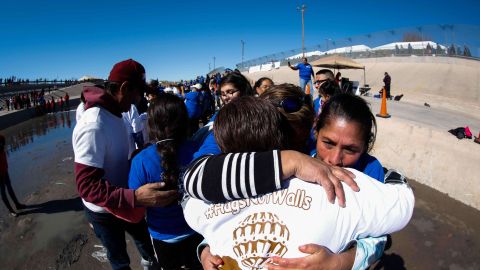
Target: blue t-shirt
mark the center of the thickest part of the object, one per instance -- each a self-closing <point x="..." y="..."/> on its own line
<point x="305" y="71"/>
<point x="192" y="102"/>
<point x="370" y="166"/>
<point x="212" y="119"/>
<point x="316" y="105"/>
<point x="208" y="147"/>
<point x="164" y="223"/>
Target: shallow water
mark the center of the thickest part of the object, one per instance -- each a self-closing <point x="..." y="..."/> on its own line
<point x="36" y="147"/>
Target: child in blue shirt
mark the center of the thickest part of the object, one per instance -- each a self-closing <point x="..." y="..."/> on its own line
<point x="164" y="161"/>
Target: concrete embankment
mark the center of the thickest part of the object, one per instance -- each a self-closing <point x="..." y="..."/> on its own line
<point x="10" y="118"/>
<point x="415" y="139"/>
<point x="14" y="117"/>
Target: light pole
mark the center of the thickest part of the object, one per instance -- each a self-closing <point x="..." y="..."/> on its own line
<point x="209" y="67"/>
<point x="214" y="62"/>
<point x="326" y="41"/>
<point x="302" y="9"/>
<point x="243" y="47"/>
<point x="421" y="34"/>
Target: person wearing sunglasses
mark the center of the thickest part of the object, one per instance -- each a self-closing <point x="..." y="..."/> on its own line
<point x="321" y="77"/>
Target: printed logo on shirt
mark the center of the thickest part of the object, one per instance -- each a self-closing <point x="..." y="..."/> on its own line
<point x="256" y="238"/>
<point x="298" y="199"/>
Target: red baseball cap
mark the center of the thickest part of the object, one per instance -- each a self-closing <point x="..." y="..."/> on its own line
<point x="128" y="70"/>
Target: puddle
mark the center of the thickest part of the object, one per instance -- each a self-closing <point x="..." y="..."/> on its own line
<point x="36" y="147"/>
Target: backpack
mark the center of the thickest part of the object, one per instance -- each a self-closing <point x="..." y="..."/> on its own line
<point x="458" y="132"/>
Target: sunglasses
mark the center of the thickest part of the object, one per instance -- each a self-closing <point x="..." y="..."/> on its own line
<point x="320" y="81"/>
<point x="291" y="105"/>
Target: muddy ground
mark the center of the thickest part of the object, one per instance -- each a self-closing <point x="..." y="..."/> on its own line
<point x="443" y="233"/>
<point x="54" y="234"/>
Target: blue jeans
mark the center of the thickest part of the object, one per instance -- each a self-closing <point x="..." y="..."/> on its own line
<point x="111" y="231"/>
<point x="303" y="83"/>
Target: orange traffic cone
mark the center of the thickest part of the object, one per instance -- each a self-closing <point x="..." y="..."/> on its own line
<point x="383" y="110"/>
<point x="307" y="89"/>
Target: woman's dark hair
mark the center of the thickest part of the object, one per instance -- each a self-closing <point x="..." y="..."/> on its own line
<point x="82" y="97"/>
<point x="168" y="124"/>
<point x="329" y="88"/>
<point x="259" y="82"/>
<point x="250" y="124"/>
<point x="353" y="109"/>
<point x="300" y="121"/>
<point x="239" y="81"/>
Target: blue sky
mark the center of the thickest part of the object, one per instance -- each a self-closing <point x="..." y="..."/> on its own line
<point x="178" y="39"/>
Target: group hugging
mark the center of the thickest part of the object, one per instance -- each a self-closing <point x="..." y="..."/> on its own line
<point x="269" y="182"/>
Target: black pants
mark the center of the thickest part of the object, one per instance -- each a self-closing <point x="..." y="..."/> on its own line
<point x="5" y="182"/>
<point x="172" y="256"/>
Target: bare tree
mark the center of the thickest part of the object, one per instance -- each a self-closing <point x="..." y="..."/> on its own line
<point x="411" y="37"/>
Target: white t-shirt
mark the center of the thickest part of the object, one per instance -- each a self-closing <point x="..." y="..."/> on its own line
<point x="175" y="90"/>
<point x="100" y="140"/>
<point x="246" y="232"/>
<point x="129" y="119"/>
<point x="79" y="111"/>
<point x="140" y="125"/>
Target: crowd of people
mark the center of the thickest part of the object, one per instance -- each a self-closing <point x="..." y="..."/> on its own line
<point x="189" y="169"/>
<point x="38" y="100"/>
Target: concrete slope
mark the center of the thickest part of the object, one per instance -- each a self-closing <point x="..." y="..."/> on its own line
<point x="415" y="139"/>
<point x="448" y="82"/>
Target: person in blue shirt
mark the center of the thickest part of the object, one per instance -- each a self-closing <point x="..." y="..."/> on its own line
<point x="194" y="107"/>
<point x="164" y="161"/>
<point x="305" y="71"/>
<point x="232" y="86"/>
<point x="346" y="131"/>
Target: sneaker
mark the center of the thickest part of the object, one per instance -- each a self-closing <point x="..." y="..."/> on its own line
<point x="149" y="265"/>
<point x="13" y="214"/>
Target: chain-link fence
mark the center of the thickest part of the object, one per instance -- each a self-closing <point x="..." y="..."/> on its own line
<point x="442" y="40"/>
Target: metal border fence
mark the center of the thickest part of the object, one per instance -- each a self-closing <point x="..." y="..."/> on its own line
<point x="447" y="40"/>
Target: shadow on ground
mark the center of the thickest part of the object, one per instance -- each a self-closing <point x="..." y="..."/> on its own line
<point x="54" y="206"/>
